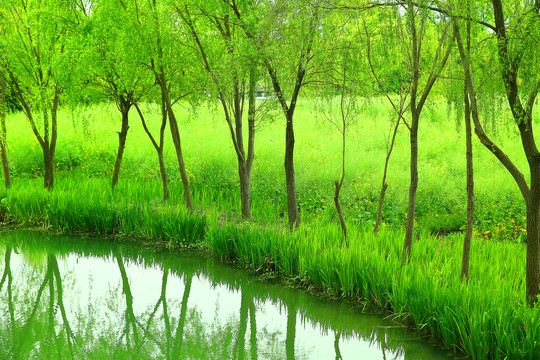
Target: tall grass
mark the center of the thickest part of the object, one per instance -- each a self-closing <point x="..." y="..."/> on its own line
<point x="88" y="140"/>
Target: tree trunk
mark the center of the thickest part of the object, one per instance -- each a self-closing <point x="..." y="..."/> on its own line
<point x="533" y="232"/>
<point x="384" y="185"/>
<point x="470" y="192"/>
<point x="339" y="212"/>
<point x="3" y="134"/>
<point x="158" y="147"/>
<point x="245" y="190"/>
<point x="122" y="136"/>
<point x="407" y="245"/>
<point x="175" y="133"/>
<point x="163" y="173"/>
<point x="292" y="206"/>
<point x="48" y="161"/>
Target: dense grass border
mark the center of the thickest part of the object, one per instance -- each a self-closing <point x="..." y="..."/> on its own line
<point x="486" y="318"/>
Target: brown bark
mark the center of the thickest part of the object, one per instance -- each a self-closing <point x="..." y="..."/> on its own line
<point x="173" y="125"/>
<point x="470" y="176"/>
<point x="470" y="191"/>
<point x="290" y="178"/>
<point x="48" y="161"/>
<point x="49" y="146"/>
<point x="158" y="147"/>
<point x="124" y="106"/>
<point x="340" y="212"/>
<point x="532" y="275"/>
<point x="3" y="133"/>
<point x="413" y="187"/>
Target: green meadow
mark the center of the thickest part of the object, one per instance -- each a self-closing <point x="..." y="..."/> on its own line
<point x="486" y="318"/>
<point x="87" y="149"/>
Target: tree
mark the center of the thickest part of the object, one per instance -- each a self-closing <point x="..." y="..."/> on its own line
<point x="112" y="61"/>
<point x="399" y="86"/>
<point x="170" y="67"/>
<point x="233" y="72"/>
<point x="36" y="65"/>
<point x="344" y="77"/>
<point x="158" y="147"/>
<point x="418" y="98"/>
<point x="517" y="50"/>
<point x="283" y="34"/>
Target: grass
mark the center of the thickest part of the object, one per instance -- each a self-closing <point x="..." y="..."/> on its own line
<point x="487" y="318"/>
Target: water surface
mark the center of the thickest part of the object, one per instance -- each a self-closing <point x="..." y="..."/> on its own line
<point x="68" y="297"/>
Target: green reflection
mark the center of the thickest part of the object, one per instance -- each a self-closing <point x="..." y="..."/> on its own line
<point x="67" y="297"/>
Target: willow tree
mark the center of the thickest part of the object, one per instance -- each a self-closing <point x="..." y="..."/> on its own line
<point x="390" y="81"/>
<point x="36" y="65"/>
<point x="111" y="59"/>
<point x="232" y="71"/>
<point x="342" y="86"/>
<point x="284" y="35"/>
<point x="436" y="56"/>
<point x="517" y="29"/>
<point x="170" y="65"/>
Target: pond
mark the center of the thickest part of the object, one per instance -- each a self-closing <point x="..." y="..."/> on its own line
<point x="67" y="297"/>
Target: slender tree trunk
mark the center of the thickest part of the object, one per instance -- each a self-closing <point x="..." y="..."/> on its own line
<point x="245" y="166"/>
<point x="413" y="186"/>
<point x="122" y="136"/>
<point x="384" y="185"/>
<point x="48" y="161"/>
<point x="3" y="134"/>
<point x="340" y="212"/>
<point x="158" y="147"/>
<point x="245" y="190"/>
<point x="292" y="206"/>
<point x="533" y="232"/>
<point x="163" y="173"/>
<point x="415" y="115"/>
<point x="175" y="133"/>
<point x="470" y="192"/>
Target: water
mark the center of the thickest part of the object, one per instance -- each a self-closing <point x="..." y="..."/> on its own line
<point x="67" y="297"/>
